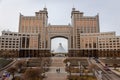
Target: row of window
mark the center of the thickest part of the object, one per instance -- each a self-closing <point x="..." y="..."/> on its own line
<point x="109" y="40"/>
<point x="87" y="30"/>
<point x="9" y="39"/>
<point x="103" y="49"/>
<point x="9" y="46"/>
<point x="10" y="34"/>
<point x="109" y="43"/>
<point x="110" y="46"/>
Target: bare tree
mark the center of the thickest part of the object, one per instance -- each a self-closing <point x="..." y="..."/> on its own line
<point x="19" y="65"/>
<point x="115" y="66"/>
<point x="33" y="74"/>
<point x="12" y="71"/>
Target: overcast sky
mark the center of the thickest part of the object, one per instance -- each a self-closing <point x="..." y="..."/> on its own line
<point x="59" y="12"/>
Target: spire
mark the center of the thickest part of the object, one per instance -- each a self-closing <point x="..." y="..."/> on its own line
<point x="73" y="9"/>
<point x="45" y="8"/>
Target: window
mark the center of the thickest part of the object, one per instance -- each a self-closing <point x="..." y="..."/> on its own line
<point x="86" y="45"/>
<point x="94" y="45"/>
<point x="90" y="45"/>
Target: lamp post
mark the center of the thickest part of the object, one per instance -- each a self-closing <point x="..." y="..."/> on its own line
<point x="100" y="74"/>
<point x="44" y="69"/>
<point x="79" y="63"/>
<point x="68" y="64"/>
<point x="27" y="62"/>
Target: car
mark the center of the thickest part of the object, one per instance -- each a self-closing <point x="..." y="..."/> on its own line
<point x="97" y="61"/>
<point x="106" y="68"/>
<point x="5" y="74"/>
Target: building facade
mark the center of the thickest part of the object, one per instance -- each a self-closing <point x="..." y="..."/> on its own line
<point x="100" y="44"/>
<point x="35" y="34"/>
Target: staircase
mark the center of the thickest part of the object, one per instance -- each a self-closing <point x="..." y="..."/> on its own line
<point x="52" y="74"/>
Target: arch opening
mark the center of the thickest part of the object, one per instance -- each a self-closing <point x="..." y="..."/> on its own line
<point x="59" y="45"/>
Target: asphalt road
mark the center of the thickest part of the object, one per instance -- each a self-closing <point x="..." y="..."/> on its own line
<point x="106" y="74"/>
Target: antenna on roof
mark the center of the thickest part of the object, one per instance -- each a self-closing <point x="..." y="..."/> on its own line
<point x="73" y="7"/>
<point x="45" y="7"/>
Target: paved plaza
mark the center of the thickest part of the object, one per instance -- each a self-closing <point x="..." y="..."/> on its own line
<point x="53" y="74"/>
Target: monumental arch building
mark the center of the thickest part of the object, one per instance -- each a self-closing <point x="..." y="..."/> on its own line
<point x="38" y="25"/>
<point x="83" y="35"/>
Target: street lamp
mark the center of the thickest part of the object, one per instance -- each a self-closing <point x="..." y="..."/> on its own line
<point x="27" y="62"/>
<point x="44" y="69"/>
<point x="79" y="63"/>
<point x="100" y="75"/>
<point x="68" y="64"/>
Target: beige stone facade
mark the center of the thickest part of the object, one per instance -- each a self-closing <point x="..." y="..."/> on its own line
<point x="109" y="46"/>
<point x="91" y="40"/>
<point x="9" y="41"/>
<point x="38" y="24"/>
<point x="83" y="34"/>
<point x="103" y="43"/>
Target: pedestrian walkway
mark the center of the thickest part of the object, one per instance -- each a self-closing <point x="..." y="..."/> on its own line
<point x="57" y="69"/>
